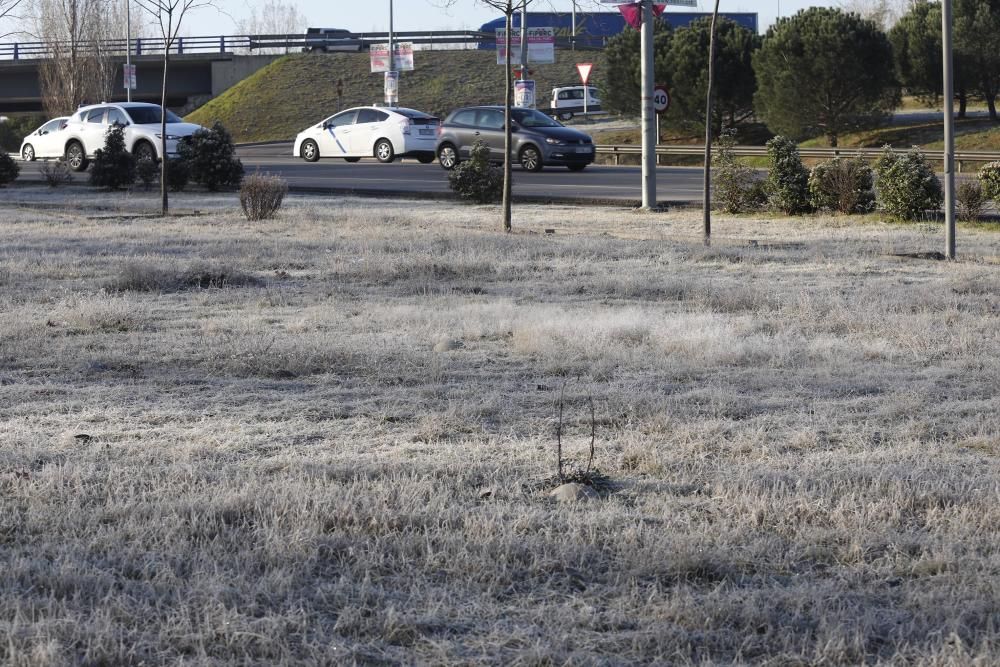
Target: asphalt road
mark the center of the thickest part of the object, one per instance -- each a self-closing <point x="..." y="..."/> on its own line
<point x="410" y="178"/>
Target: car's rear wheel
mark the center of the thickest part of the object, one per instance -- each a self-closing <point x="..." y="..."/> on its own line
<point x="309" y="150"/>
<point x="576" y="167"/>
<point x="75" y="157"/>
<point x="28" y="153"/>
<point x="425" y="158"/>
<point x="447" y="157"/>
<point x="144" y="152"/>
<point x="530" y="159"/>
<point x="565" y="115"/>
<point x="352" y="159"/>
<point x="384" y="151"/>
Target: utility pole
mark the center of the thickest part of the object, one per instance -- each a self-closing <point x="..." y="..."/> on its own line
<point x="392" y="73"/>
<point x="949" y="132"/>
<point x="574" y="31"/>
<point x="648" y="114"/>
<point x="524" y="41"/>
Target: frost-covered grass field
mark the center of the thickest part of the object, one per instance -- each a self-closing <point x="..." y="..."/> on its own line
<point x="328" y="439"/>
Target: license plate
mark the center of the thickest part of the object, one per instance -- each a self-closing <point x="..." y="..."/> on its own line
<point x="426" y="132"/>
<point x="583" y="149"/>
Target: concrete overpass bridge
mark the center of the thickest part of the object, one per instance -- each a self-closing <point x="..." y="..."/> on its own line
<point x="192" y="78"/>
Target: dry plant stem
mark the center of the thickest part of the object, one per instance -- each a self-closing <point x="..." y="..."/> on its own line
<point x="559" y="428"/>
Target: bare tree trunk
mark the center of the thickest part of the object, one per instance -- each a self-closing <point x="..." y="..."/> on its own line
<point x="707" y="199"/>
<point x="507" y="138"/>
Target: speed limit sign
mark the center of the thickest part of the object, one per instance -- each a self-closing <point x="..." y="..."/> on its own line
<point x="661" y="99"/>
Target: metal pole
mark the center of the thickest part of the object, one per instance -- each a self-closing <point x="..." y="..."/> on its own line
<point x="524" y="41"/>
<point x="949" y="132"/>
<point x="648" y="115"/>
<point x="574" y="25"/>
<point x="128" y="50"/>
<point x="707" y="198"/>
<point x="392" y="57"/>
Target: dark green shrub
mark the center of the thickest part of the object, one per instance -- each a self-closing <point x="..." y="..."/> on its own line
<point x="735" y="186"/>
<point x="178" y="174"/>
<point x="261" y="196"/>
<point x="971" y="200"/>
<point x="476" y="179"/>
<point x="905" y="185"/>
<point x="211" y="158"/>
<point x="9" y="170"/>
<point x="147" y="172"/>
<point x="787" y="184"/>
<point x="845" y="185"/>
<point x="989" y="177"/>
<point x="113" y="167"/>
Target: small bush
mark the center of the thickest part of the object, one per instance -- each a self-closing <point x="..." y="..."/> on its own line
<point x="735" y="185"/>
<point x="9" y="170"/>
<point x="476" y="179"/>
<point x="905" y="185"/>
<point x="989" y="177"/>
<point x="147" y="171"/>
<point x="845" y="185"/>
<point x="114" y="167"/>
<point x="210" y="154"/>
<point x="787" y="184"/>
<point x="261" y="196"/>
<point x="971" y="200"/>
<point x="178" y="174"/>
<point x="56" y="173"/>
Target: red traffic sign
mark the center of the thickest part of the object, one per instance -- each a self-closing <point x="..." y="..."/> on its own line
<point x="584" y="69"/>
<point x="661" y="99"/>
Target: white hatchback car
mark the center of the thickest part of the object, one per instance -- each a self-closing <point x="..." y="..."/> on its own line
<point x="385" y="133"/>
<point x="45" y="142"/>
<point x="84" y="133"/>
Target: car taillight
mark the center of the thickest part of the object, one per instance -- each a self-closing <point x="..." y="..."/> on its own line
<point x="440" y="129"/>
<point x="405" y="125"/>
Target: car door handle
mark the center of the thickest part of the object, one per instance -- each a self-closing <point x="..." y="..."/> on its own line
<point x="476" y="134"/>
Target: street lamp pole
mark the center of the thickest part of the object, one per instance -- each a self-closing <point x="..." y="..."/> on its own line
<point x="648" y="114"/>
<point x="128" y="50"/>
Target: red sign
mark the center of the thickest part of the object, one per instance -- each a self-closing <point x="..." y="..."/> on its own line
<point x="584" y="70"/>
<point x="633" y="13"/>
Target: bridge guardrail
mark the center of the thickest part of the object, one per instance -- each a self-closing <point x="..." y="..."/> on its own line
<point x="618" y="150"/>
<point x="230" y="43"/>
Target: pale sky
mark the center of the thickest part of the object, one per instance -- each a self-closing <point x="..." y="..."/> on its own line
<point x="373" y="15"/>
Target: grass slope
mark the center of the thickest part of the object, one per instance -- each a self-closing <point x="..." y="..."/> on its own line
<point x="289" y="468"/>
<point x="288" y="95"/>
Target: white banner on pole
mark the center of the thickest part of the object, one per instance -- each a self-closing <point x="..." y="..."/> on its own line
<point x="392" y="88"/>
<point x="541" y="46"/>
<point x="402" y="57"/>
<point x="130" y="77"/>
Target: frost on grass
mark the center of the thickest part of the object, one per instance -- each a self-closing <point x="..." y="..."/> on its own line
<point x="800" y="428"/>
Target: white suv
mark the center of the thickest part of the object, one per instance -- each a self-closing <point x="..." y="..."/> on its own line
<point x="385" y="133"/>
<point x="568" y="100"/>
<point x="84" y="132"/>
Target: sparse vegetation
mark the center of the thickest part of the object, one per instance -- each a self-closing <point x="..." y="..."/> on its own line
<point x="476" y="179"/>
<point x="799" y="436"/>
<point x="906" y="186"/>
<point x="735" y="186"/>
<point x="261" y="196"/>
<point x="9" y="170"/>
<point x="56" y="173"/>
<point x="113" y="166"/>
<point x="971" y="200"/>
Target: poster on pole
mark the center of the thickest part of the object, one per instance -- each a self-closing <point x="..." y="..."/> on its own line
<point x="392" y="88"/>
<point x="541" y="46"/>
<point x="130" y="77"/>
<point x="524" y="94"/>
<point x="402" y="57"/>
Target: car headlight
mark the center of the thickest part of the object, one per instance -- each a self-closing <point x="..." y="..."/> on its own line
<point x="170" y="137"/>
<point x="553" y="141"/>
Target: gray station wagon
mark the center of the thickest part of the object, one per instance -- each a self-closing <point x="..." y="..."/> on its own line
<point x="537" y="139"/>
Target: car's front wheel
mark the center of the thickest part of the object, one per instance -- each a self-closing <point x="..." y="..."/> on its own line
<point x="28" y="153"/>
<point x="565" y="115"/>
<point x="352" y="159"/>
<point x="384" y="151"/>
<point x="447" y="157"/>
<point x="576" y="167"/>
<point x="75" y="157"/>
<point x="144" y="152"/>
<point x="425" y="159"/>
<point x="309" y="150"/>
<point x="530" y="159"/>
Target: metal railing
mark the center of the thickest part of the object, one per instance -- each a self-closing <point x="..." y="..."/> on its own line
<point x="226" y="44"/>
<point x="822" y="153"/>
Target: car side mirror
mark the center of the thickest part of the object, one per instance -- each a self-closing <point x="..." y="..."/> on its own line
<point x="326" y="126"/>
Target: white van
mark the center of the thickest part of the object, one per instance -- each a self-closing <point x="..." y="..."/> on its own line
<point x="568" y="100"/>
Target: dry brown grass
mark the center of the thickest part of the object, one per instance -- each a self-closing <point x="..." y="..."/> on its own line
<point x="802" y="435"/>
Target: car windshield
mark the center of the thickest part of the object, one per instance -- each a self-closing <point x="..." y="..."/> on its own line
<point x="532" y="118"/>
<point x="150" y="115"/>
